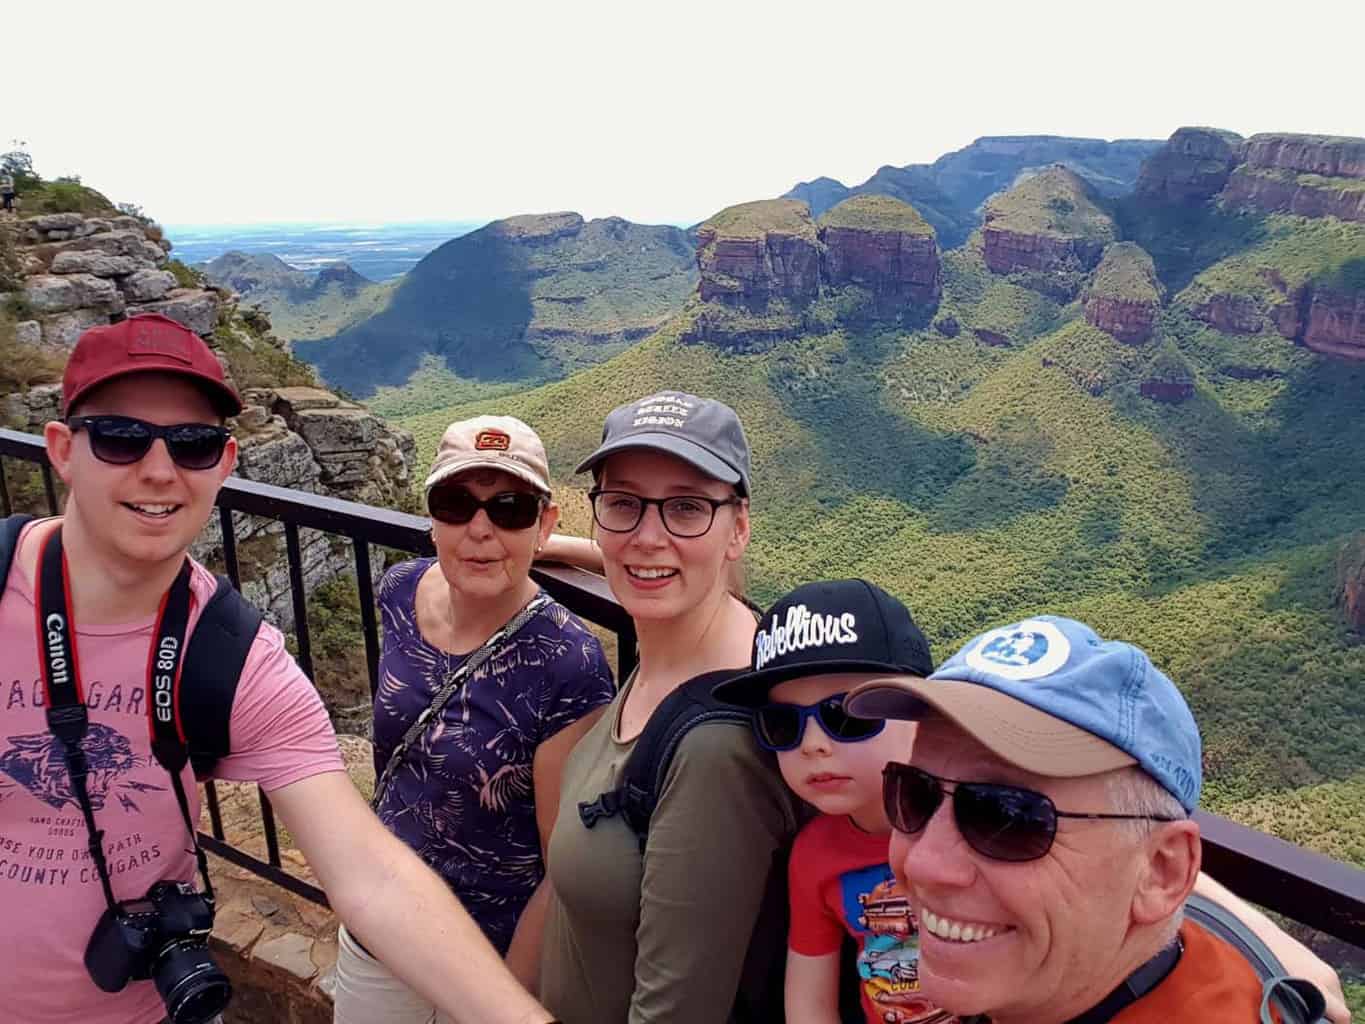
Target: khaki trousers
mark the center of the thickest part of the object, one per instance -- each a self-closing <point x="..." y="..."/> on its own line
<point x="367" y="992"/>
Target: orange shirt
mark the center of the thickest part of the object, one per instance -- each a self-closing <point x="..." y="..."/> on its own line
<point x="1213" y="983"/>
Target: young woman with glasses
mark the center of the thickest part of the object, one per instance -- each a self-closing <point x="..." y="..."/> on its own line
<point x="658" y="930"/>
<point x="475" y="790"/>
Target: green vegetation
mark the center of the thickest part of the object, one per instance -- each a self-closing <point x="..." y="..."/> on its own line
<point x="22" y="366"/>
<point x="185" y="275"/>
<point x="1126" y="272"/>
<point x="1055" y="202"/>
<point x="1290" y="252"/>
<point x="257" y="362"/>
<point x="876" y="213"/>
<point x="754" y="220"/>
<point x="1315" y="181"/>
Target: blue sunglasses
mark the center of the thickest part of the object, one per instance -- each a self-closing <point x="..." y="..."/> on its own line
<point x="781" y="726"/>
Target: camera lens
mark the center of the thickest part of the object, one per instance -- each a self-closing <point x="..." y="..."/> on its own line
<point x="194" y="990"/>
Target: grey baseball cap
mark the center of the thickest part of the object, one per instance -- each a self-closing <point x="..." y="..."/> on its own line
<point x="700" y="431"/>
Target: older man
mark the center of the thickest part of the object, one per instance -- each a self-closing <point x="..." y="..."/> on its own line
<point x="1042" y="829"/>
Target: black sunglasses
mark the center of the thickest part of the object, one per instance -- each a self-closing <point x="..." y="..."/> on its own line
<point x="1001" y="822"/>
<point x="507" y="510"/>
<point x="781" y="726"/>
<point x="123" y="440"/>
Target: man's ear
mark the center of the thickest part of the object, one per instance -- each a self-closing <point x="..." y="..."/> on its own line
<point x="1173" y="853"/>
<point x="59" y="440"/>
<point x="229" y="460"/>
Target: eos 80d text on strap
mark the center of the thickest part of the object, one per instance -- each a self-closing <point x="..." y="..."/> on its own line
<point x="164" y="935"/>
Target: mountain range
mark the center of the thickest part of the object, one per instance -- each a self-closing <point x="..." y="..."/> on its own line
<point x="1141" y="410"/>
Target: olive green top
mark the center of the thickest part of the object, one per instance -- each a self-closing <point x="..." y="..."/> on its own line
<point x="660" y="938"/>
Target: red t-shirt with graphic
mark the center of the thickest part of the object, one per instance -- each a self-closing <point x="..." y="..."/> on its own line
<point x="840" y="884"/>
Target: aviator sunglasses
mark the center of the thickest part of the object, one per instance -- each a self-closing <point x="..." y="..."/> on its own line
<point x="1007" y="823"/>
<point x="781" y="726"/>
<point x="507" y="510"/>
<point x="123" y="440"/>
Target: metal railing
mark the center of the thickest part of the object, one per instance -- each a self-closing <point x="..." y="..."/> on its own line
<point x="1307" y="887"/>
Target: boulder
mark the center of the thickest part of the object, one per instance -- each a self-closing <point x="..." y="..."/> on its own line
<point x="55" y="222"/>
<point x="120" y="243"/>
<point x="65" y="329"/>
<point x="48" y="293"/>
<point x="28" y="332"/>
<point x="196" y="309"/>
<point x="99" y="264"/>
<point x="148" y="285"/>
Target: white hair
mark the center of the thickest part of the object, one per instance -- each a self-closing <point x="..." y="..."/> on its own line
<point x="1133" y="791"/>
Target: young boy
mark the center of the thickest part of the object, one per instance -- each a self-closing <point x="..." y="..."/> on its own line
<point x="812" y="647"/>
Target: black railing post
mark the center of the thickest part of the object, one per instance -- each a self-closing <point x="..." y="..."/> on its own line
<point x="272" y="838"/>
<point x="368" y="624"/>
<point x="229" y="532"/>
<point x="215" y="812"/>
<point x="6" y="508"/>
<point x="296" y="590"/>
<point x="50" y="488"/>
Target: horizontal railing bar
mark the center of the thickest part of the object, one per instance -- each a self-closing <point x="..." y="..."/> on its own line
<point x="259" y="867"/>
<point x="1307" y="886"/>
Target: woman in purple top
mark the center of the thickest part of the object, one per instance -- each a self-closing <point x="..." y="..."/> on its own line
<point x="476" y="792"/>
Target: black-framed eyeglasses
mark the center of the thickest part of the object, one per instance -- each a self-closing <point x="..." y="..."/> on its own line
<point x="1007" y="823"/>
<point x="781" y="726"/>
<point x="507" y="510"/>
<point x="123" y="440"/>
<point x="685" y="515"/>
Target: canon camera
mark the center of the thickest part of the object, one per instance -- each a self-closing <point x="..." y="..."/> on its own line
<point x="164" y="937"/>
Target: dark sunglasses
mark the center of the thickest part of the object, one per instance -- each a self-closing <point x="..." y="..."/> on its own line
<point x="1000" y="822"/>
<point x="508" y="510"/>
<point x="122" y="440"/>
<point x="781" y="726"/>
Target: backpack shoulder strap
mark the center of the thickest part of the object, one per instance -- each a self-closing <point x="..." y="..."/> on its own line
<point x="10" y="528"/>
<point x="214" y="659"/>
<point x="1296" y="1001"/>
<point x="635" y="798"/>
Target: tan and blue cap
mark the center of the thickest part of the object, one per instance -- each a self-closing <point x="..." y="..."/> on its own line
<point x="1049" y="695"/>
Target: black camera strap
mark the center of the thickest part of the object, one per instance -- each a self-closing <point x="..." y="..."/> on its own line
<point x="67" y="716"/>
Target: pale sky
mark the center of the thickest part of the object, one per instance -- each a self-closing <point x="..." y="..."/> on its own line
<point x="243" y="112"/>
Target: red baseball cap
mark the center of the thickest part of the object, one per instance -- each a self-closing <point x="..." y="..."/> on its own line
<point x="148" y="342"/>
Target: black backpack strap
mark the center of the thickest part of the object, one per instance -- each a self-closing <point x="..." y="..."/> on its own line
<point x="1296" y="1001"/>
<point x="214" y="658"/>
<point x="635" y="798"/>
<point x="10" y="528"/>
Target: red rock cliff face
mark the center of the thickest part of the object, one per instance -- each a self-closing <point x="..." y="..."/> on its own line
<point x="899" y="268"/>
<point x="1326" y="321"/>
<point x="1247" y="188"/>
<point x="1308" y="154"/>
<point x="1127" y="320"/>
<point x="1008" y="251"/>
<point x="1351" y="582"/>
<point x="746" y="272"/>
<point x="1192" y="167"/>
<point x="1271" y="179"/>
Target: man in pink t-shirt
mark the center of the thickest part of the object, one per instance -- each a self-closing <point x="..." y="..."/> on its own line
<point x="136" y="499"/>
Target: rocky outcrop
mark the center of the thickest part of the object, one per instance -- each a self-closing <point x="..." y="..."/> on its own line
<point x="1192" y="167"/>
<point x="1306" y="175"/>
<point x="755" y="252"/>
<point x="1051" y="223"/>
<point x="763" y="265"/>
<point x="1125" y="296"/>
<point x="1168" y="377"/>
<point x="84" y="271"/>
<point x="1351" y="582"/>
<point x="1231" y="312"/>
<point x="1171" y="392"/>
<point x="1325" y="320"/>
<point x="885" y="246"/>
